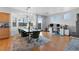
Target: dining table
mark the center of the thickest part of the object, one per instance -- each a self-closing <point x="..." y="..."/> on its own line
<point x="29" y="32"/>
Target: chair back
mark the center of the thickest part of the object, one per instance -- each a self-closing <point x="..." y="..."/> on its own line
<point x="24" y="34"/>
<point x="19" y="30"/>
<point x="35" y="34"/>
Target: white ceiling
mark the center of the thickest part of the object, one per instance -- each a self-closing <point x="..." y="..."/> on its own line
<point x="46" y="10"/>
<point x="38" y="10"/>
<point x="50" y="10"/>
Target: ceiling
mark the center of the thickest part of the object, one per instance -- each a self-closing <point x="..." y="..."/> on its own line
<point x="45" y="10"/>
<point x="38" y="10"/>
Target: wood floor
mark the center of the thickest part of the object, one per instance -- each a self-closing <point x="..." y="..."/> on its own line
<point x="58" y="43"/>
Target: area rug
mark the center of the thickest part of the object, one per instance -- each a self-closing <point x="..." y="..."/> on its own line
<point x="42" y="41"/>
<point x="73" y="45"/>
<point x="20" y="44"/>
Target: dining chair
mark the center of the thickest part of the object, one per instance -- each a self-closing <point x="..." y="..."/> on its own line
<point x="24" y="34"/>
<point x="35" y="35"/>
<point x="19" y="30"/>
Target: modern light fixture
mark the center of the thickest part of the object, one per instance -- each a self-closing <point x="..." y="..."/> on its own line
<point x="28" y="9"/>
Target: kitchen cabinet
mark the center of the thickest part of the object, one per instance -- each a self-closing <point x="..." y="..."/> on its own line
<point x="4" y="25"/>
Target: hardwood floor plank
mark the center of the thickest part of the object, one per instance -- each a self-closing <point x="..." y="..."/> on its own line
<point x="58" y="43"/>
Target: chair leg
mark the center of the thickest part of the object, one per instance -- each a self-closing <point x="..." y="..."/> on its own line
<point x="37" y="39"/>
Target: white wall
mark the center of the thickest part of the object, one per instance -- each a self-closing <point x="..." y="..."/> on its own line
<point x="46" y="19"/>
<point x="13" y="12"/>
<point x="70" y="20"/>
<point x="14" y="30"/>
<point x="44" y="22"/>
<point x="34" y="20"/>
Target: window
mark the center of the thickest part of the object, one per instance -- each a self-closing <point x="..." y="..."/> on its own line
<point x="67" y="16"/>
<point x="22" y="22"/>
<point x="40" y="18"/>
<point x="55" y="18"/>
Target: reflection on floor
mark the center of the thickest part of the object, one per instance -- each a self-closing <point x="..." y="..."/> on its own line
<point x="5" y="44"/>
<point x="73" y="45"/>
<point x="57" y="43"/>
